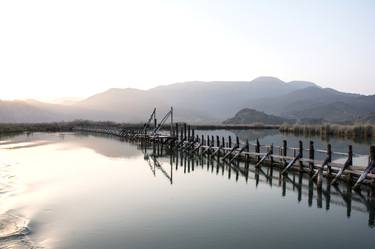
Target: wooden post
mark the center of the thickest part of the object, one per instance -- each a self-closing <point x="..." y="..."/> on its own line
<point x="184" y="131"/>
<point x="176" y="130"/>
<point x="271" y="153"/>
<point x="237" y="141"/>
<point x="350" y="161"/>
<point x="311" y="156"/>
<point x="285" y="151"/>
<point x="257" y="149"/>
<point x="217" y="141"/>
<point x="208" y="140"/>
<point x="212" y="141"/>
<point x="372" y="153"/>
<point x="202" y="140"/>
<point x="247" y="158"/>
<point x="223" y="142"/>
<point x="329" y="154"/>
<point x="188" y="134"/>
<point x="300" y="152"/>
<point x="192" y="133"/>
<point x="350" y="154"/>
<point x="230" y="142"/>
<point x="172" y="121"/>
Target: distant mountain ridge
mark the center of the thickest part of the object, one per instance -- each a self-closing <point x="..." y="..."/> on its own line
<point x="202" y="102"/>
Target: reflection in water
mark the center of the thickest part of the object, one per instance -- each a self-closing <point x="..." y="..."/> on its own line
<point x="329" y="195"/>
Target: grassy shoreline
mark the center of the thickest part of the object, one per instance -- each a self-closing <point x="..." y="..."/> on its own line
<point x="357" y="131"/>
<point x="68" y="126"/>
<point x="58" y="126"/>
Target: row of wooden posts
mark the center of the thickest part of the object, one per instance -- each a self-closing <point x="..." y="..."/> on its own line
<point x="183" y="137"/>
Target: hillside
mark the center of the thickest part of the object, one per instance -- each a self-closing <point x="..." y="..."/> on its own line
<point x="251" y="116"/>
<point x="202" y="102"/>
<point x="196" y="101"/>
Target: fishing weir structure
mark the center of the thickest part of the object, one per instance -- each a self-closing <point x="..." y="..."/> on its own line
<point x="169" y="136"/>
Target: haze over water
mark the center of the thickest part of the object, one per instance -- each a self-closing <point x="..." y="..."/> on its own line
<point x="74" y="190"/>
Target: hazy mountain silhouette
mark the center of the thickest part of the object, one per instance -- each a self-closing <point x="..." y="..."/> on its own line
<point x="317" y="103"/>
<point x="201" y="102"/>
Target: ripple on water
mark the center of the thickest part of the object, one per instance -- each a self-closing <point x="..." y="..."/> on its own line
<point x="14" y="232"/>
<point x="14" y="228"/>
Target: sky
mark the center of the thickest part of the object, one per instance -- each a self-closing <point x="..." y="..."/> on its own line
<point x="55" y="49"/>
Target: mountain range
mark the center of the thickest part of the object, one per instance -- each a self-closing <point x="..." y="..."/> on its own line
<point x="203" y="102"/>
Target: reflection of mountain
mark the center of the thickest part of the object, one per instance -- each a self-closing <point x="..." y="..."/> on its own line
<point x="101" y="144"/>
<point x="252" y="135"/>
<point x="104" y="145"/>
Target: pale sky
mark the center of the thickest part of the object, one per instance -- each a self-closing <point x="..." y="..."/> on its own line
<point x="52" y="49"/>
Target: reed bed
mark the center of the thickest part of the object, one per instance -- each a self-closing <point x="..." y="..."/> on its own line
<point x="356" y="131"/>
<point x="58" y="126"/>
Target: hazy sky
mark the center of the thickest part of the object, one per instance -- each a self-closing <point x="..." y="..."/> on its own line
<point x="51" y="49"/>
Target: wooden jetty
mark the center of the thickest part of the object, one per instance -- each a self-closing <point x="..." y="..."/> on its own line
<point x="181" y="137"/>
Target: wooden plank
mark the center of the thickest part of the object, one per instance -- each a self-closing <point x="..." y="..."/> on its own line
<point x="262" y="159"/>
<point x="291" y="164"/>
<point x="369" y="168"/>
<point x="348" y="163"/>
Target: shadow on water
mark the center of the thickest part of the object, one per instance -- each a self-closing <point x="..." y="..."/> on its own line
<point x="328" y="197"/>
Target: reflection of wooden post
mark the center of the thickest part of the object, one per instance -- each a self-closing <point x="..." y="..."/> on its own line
<point x="311" y="192"/>
<point x="328" y="196"/>
<point x="349" y="201"/>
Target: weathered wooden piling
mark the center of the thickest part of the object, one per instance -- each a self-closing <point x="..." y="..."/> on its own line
<point x="311" y="157"/>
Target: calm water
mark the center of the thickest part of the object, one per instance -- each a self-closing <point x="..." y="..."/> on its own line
<point x="65" y="190"/>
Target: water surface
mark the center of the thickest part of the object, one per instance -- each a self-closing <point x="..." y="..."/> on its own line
<point x="66" y="190"/>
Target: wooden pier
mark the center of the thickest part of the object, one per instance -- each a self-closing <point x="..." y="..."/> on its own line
<point x="181" y="137"/>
